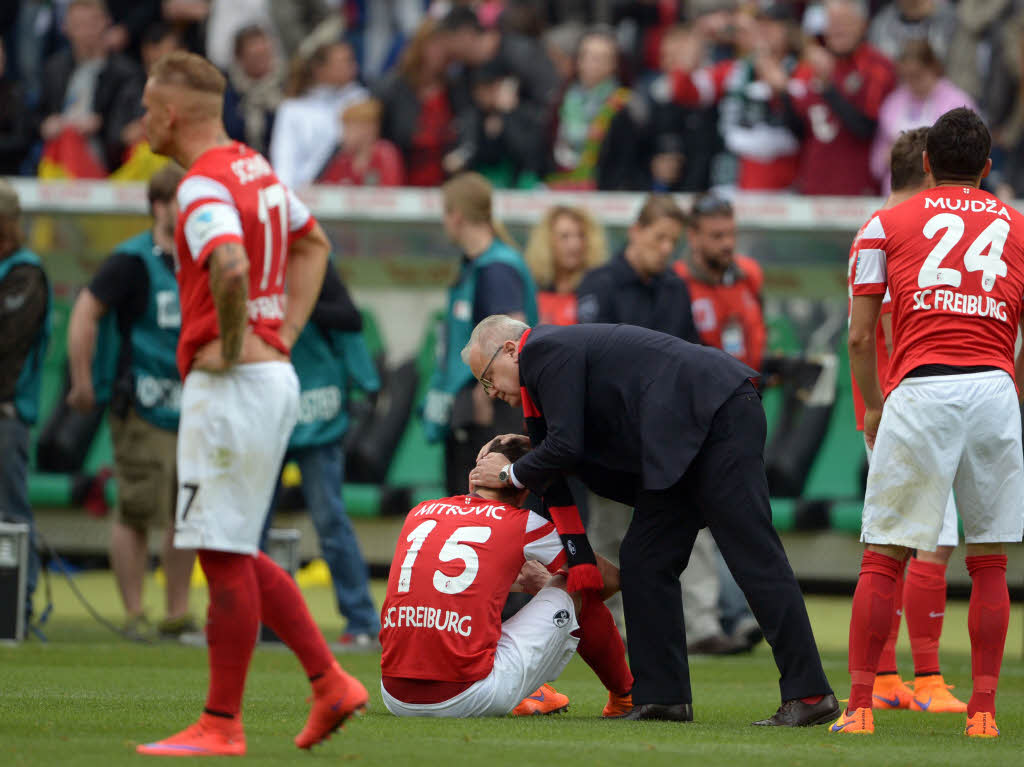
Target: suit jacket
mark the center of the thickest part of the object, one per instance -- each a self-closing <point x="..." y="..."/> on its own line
<point x="624" y="408"/>
<point x="615" y="293"/>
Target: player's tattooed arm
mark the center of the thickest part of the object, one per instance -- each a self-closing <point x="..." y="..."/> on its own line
<point x="229" y="285"/>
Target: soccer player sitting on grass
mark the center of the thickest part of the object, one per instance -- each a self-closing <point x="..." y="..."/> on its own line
<point x="446" y="652"/>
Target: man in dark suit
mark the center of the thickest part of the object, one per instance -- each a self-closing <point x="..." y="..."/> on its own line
<point x="676" y="430"/>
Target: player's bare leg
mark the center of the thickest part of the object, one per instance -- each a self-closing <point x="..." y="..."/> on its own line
<point x="128" y="558"/>
<point x="177" y="565"/>
<point x="924" y="604"/>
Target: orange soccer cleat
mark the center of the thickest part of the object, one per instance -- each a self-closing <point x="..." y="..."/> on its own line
<point x="210" y="736"/>
<point x="546" y="700"/>
<point x="891" y="692"/>
<point x="617" y="706"/>
<point x="931" y="693"/>
<point x="981" y="725"/>
<point x="858" y="722"/>
<point x="337" y="695"/>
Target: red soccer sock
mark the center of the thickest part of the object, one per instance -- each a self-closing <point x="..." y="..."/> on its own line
<point x="601" y="645"/>
<point x="874" y="602"/>
<point x="924" y="604"/>
<point x="987" y="618"/>
<point x="887" y="660"/>
<point x="284" y="610"/>
<point x="232" y="625"/>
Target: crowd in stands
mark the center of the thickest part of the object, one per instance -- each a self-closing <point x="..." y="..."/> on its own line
<point x="638" y="95"/>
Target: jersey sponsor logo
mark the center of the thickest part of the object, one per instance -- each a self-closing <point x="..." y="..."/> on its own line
<point x="490" y="511"/>
<point x="266" y="308"/>
<point x="423" y="617"/>
<point x="972" y="206"/>
<point x="322" y="404"/>
<point x="462" y="310"/>
<point x="959" y="303"/>
<point x="251" y="168"/>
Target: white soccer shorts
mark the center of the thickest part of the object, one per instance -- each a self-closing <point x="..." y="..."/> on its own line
<point x="232" y="437"/>
<point x="950" y="534"/>
<point x="959" y="432"/>
<point x="535" y="646"/>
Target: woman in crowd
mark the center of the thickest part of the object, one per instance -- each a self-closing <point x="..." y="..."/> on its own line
<point x="563" y="246"/>
<point x="417" y="113"/>
<point x="923" y="94"/>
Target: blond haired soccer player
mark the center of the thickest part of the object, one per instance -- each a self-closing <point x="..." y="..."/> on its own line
<point x="251" y="262"/>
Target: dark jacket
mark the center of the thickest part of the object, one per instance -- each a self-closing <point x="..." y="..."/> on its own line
<point x="615" y="293"/>
<point x="17" y="128"/>
<point x="624" y="408"/>
<point x="116" y="101"/>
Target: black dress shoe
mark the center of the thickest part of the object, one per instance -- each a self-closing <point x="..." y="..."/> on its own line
<point x="671" y="712"/>
<point x="796" y="713"/>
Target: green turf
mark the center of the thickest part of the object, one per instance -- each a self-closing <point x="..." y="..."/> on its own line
<point x="86" y="698"/>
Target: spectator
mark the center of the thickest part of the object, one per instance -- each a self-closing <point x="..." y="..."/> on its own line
<point x="922" y="96"/>
<point x="417" y="109"/>
<point x="138" y="284"/>
<point x="307" y="129"/>
<point x="585" y="115"/>
<point x="17" y="127"/>
<point x="901" y="21"/>
<point x="131" y="19"/>
<point x="560" y="45"/>
<point x="838" y="90"/>
<point x="492" y="280"/>
<point x="364" y="158"/>
<point x="255" y="88"/>
<point x="188" y="17"/>
<point x="24" y="335"/>
<point x="388" y="24"/>
<point x="157" y="41"/>
<point x="226" y="19"/>
<point x="87" y="92"/>
<point x="636" y="287"/>
<point x="328" y="356"/>
<point x="296" y="21"/>
<point x="758" y="126"/>
<point x="499" y="140"/>
<point x="564" y="245"/>
<point x="661" y="145"/>
<point x="715" y="22"/>
<point x="470" y="46"/>
<point x="985" y="60"/>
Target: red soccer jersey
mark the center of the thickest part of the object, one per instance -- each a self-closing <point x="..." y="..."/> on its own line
<point x="454" y="564"/>
<point x="231" y="194"/>
<point x="881" y="350"/>
<point x="954" y="266"/>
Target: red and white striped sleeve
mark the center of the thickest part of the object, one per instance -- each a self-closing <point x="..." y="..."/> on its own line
<point x="210" y="214"/>
<point x="542" y="544"/>
<point x="300" y="219"/>
<point x="869" y="269"/>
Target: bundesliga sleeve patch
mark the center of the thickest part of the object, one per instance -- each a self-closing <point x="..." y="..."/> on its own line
<point x="209" y="221"/>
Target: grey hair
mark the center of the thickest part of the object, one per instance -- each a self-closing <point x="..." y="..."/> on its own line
<point x="494" y="331"/>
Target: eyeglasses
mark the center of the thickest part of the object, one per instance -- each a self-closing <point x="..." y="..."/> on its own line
<point x="487" y="384"/>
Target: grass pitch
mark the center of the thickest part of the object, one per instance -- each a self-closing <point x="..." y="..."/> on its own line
<point x="87" y="698"/>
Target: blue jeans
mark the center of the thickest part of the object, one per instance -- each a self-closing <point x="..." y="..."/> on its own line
<point x="14" y="505"/>
<point x="323" y="473"/>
